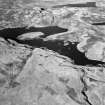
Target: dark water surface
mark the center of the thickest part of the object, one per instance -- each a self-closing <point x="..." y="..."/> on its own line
<point x="101" y="23"/>
<point x="70" y="50"/>
<point x="88" y="4"/>
<point x="15" y="32"/>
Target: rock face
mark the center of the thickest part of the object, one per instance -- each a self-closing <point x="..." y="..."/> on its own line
<point x="52" y="53"/>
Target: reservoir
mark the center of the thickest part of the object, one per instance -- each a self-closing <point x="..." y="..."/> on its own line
<point x="58" y="46"/>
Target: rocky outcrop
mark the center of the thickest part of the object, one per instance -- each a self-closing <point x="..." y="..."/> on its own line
<point x="52" y="54"/>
